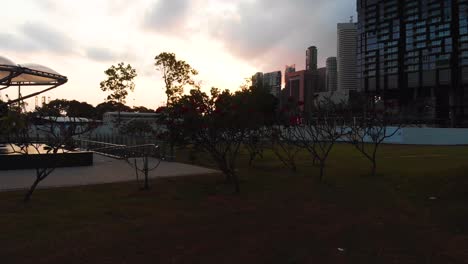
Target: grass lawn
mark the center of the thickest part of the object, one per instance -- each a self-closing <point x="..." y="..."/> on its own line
<point x="279" y="217"/>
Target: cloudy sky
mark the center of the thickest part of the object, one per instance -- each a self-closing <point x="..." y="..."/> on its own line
<point x="225" y="40"/>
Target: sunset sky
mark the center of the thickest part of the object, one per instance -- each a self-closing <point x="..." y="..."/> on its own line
<point x="225" y="40"/>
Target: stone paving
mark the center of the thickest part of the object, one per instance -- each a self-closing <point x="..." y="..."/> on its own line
<point x="104" y="170"/>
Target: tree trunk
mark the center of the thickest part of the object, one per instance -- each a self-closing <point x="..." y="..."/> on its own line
<point x="145" y="169"/>
<point x="374" y="168"/>
<point x="236" y="182"/>
<point x="252" y="157"/>
<point x="315" y="160"/>
<point x="28" y="195"/>
<point x="172" y="151"/>
<point x="293" y="166"/>
<point x="227" y="175"/>
<point x="322" y="171"/>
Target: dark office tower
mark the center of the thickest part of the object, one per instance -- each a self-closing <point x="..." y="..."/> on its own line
<point x="289" y="68"/>
<point x="346" y="57"/>
<point x="311" y="58"/>
<point x="321" y="85"/>
<point x="257" y="79"/>
<point x="272" y="82"/>
<point x="331" y="75"/>
<point x="414" y="54"/>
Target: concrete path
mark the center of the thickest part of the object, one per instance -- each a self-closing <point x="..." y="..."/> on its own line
<point x="104" y="170"/>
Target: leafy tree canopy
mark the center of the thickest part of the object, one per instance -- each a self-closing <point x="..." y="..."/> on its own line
<point x="142" y="109"/>
<point x="110" y="106"/>
<point x="119" y="82"/>
<point x="176" y="74"/>
<point x="63" y="107"/>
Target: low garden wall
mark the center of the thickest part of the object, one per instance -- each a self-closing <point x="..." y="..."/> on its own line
<point x="428" y="136"/>
<point x="32" y="161"/>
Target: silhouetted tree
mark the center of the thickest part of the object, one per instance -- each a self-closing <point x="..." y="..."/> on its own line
<point x="367" y="133"/>
<point x="80" y="109"/>
<point x="137" y="128"/>
<point x="216" y="124"/>
<point x="280" y="134"/>
<point x="119" y="82"/>
<point x="176" y="74"/>
<point x="110" y="106"/>
<point x="65" y="107"/>
<point x="318" y="131"/>
<point x="282" y="145"/>
<point x="142" y="109"/>
<point x="259" y="107"/>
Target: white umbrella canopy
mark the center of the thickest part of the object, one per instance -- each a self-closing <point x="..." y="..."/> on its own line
<point x="39" y="67"/>
<point x="6" y="61"/>
<point x="32" y="78"/>
<point x="28" y="74"/>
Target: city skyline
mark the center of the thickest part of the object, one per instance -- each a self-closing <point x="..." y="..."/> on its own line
<point x="81" y="40"/>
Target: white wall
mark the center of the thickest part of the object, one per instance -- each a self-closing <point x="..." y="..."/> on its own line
<point x="425" y="136"/>
<point x="435" y="136"/>
<point x="428" y="136"/>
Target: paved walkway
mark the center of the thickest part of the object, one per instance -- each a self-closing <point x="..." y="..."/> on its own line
<point x="104" y="170"/>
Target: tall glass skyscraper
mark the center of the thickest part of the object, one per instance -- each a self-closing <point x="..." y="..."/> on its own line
<point x="346" y="57"/>
<point x="414" y="54"/>
<point x="331" y="75"/>
<point x="311" y="58"/>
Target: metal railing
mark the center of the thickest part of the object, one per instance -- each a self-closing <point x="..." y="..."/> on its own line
<point x="118" y="151"/>
<point x="116" y="139"/>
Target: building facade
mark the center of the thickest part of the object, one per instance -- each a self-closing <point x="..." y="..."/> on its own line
<point x="311" y="58"/>
<point x="331" y="75"/>
<point x="272" y="81"/>
<point x="346" y="56"/>
<point x="321" y="80"/>
<point x="414" y="54"/>
<point x="257" y="79"/>
<point x="301" y="86"/>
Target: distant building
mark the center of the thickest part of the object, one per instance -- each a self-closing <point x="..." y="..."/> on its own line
<point x="414" y="54"/>
<point x="257" y="79"/>
<point x="289" y="69"/>
<point x="321" y="80"/>
<point x="301" y="87"/>
<point x="347" y="56"/>
<point x="295" y="83"/>
<point x="113" y="122"/>
<point x="113" y="117"/>
<point x="272" y="82"/>
<point x="47" y="126"/>
<point x="311" y="58"/>
<point x="331" y="75"/>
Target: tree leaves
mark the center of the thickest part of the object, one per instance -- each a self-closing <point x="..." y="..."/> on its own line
<point x="176" y="74"/>
<point x="119" y="82"/>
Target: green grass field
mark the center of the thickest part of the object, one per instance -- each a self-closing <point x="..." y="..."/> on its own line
<point x="279" y="217"/>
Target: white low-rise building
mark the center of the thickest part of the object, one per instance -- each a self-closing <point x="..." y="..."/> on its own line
<point x="114" y="123"/>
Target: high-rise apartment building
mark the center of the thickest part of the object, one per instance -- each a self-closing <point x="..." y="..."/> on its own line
<point x="301" y="86"/>
<point x="272" y="82"/>
<point x="311" y="58"/>
<point x="346" y="56"/>
<point x="289" y="69"/>
<point x="414" y="53"/>
<point x="297" y="86"/>
<point x="331" y="75"/>
<point x="321" y="85"/>
<point x="257" y="79"/>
